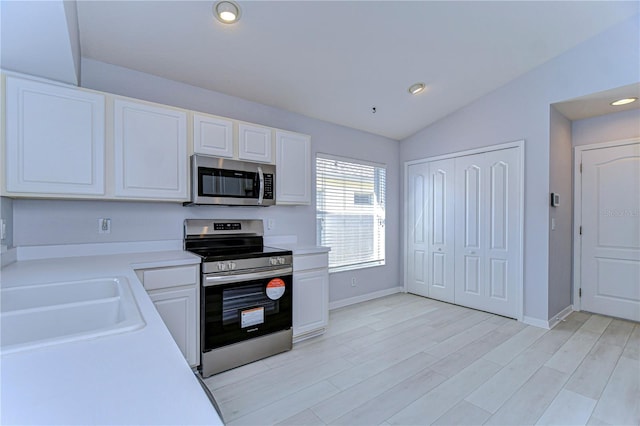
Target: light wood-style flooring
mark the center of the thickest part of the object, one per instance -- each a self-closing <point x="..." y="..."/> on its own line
<point x="409" y="360"/>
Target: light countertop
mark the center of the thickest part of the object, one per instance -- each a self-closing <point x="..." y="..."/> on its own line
<point x="138" y="377"/>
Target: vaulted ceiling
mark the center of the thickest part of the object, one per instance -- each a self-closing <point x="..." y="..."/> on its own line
<point x="336" y="60"/>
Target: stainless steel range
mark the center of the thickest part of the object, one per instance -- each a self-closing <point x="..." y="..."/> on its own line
<point x="245" y="293"/>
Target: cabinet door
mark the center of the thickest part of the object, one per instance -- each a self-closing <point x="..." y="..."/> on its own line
<point x="54" y="140"/>
<point x="254" y="143"/>
<point x="293" y="168"/>
<point x="310" y="301"/>
<point x="150" y="151"/>
<point x="212" y="135"/>
<point x="178" y="309"/>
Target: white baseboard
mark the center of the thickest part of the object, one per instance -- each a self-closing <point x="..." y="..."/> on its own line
<point x="560" y="316"/>
<point x="363" y="298"/>
<point x="8" y="256"/>
<point x="549" y="324"/>
<point x="535" y="322"/>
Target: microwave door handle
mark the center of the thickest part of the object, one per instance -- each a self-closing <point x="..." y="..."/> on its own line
<point x="261" y="192"/>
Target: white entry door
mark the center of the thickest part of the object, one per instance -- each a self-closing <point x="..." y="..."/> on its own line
<point x="488" y="231"/>
<point x="610" y="261"/>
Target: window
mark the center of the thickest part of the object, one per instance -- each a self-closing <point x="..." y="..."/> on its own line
<point x="350" y="212"/>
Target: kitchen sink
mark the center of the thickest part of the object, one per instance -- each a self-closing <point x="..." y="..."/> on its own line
<point x="45" y="314"/>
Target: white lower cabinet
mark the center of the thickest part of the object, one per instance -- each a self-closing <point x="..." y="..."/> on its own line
<point x="176" y="308"/>
<point x="310" y="295"/>
<point x="175" y="294"/>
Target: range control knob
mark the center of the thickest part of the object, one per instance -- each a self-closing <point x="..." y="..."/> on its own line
<point x="232" y="266"/>
<point x="222" y="266"/>
<point x="273" y="261"/>
<point x="281" y="260"/>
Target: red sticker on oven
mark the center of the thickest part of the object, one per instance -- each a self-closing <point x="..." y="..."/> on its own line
<point x="275" y="289"/>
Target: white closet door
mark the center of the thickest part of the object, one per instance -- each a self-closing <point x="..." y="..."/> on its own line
<point x="610" y="275"/>
<point x="441" y="230"/>
<point x="488" y="231"/>
<point x="417" y="228"/>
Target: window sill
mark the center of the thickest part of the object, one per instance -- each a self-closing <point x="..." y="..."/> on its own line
<point x="355" y="267"/>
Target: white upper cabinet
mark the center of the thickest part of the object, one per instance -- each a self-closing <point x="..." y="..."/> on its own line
<point x="212" y="135"/>
<point x="293" y="168"/>
<point x="150" y="145"/>
<point x="67" y="142"/>
<point x="55" y="141"/>
<point x="254" y="143"/>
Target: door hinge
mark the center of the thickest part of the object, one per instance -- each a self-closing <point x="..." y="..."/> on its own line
<point x="579" y="292"/>
<point x="580" y="167"/>
<point x="580" y="229"/>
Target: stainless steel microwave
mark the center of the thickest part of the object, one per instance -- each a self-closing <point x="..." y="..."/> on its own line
<point x="220" y="181"/>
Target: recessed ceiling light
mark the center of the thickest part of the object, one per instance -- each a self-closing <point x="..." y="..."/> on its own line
<point x="227" y="11"/>
<point x="416" y="88"/>
<point x="623" y="101"/>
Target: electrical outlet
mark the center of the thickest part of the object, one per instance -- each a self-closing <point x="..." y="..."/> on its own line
<point x="353" y="281"/>
<point x="3" y="229"/>
<point x="104" y="226"/>
<point x="271" y="223"/>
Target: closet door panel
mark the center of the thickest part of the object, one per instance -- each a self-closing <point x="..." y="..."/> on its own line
<point x="471" y="207"/>
<point x="488" y="193"/>
<point x="469" y="286"/>
<point x="441" y="230"/>
<point x="417" y="210"/>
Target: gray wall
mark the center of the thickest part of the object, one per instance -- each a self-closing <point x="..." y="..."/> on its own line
<point x="607" y="128"/>
<point x="560" y="239"/>
<point x="39" y="222"/>
<point x="520" y="110"/>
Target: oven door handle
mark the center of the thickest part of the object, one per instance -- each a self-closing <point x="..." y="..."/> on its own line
<point x="226" y="279"/>
<point x="261" y="191"/>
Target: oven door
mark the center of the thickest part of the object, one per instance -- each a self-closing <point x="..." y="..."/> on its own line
<point x="241" y="307"/>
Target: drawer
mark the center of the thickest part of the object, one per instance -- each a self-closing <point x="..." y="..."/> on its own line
<point x="310" y="261"/>
<point x="153" y="279"/>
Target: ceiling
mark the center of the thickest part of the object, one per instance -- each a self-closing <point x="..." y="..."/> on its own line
<point x="336" y="60"/>
<point x="597" y="104"/>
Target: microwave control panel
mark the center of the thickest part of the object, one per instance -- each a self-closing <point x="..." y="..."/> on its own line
<point x="268" y="186"/>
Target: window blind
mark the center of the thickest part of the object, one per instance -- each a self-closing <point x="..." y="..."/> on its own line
<point x="350" y="212"/>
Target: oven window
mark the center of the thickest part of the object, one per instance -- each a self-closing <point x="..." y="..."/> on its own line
<point x="227" y="183"/>
<point x="237" y="300"/>
<point x="231" y="313"/>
